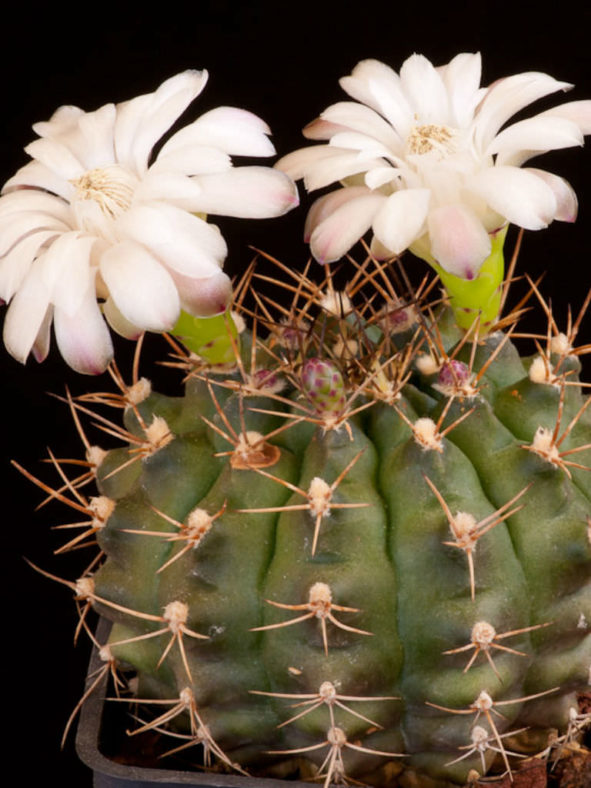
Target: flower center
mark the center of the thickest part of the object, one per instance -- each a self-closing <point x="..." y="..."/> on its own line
<point x="111" y="188"/>
<point x="429" y="137"/>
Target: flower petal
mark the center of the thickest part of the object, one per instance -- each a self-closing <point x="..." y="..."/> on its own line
<point x="205" y="296"/>
<point x="521" y="141"/>
<point x="232" y="130"/>
<point x="459" y="242"/>
<point x="518" y="195"/>
<point x="401" y="218"/>
<point x="506" y="97"/>
<point x="83" y="337"/>
<point x="336" y="234"/>
<point x="65" y="270"/>
<point x="154" y="117"/>
<point x="461" y="78"/>
<point x="140" y="286"/>
<point x="578" y="112"/>
<point x="16" y="264"/>
<point x="566" y="199"/>
<point x="26" y="314"/>
<point x="248" y="192"/>
<point x="357" y="117"/>
<point x="425" y="91"/>
<point x="185" y="243"/>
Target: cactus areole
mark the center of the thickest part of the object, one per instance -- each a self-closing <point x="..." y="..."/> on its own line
<point x="352" y="553"/>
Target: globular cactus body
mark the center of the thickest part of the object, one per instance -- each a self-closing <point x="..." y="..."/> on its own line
<point x="381" y="569"/>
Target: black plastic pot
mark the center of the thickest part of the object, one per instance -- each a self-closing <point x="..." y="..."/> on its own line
<point x="101" y="743"/>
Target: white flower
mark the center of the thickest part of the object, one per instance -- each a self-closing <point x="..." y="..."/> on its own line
<point x="89" y="228"/>
<point x="425" y="165"/>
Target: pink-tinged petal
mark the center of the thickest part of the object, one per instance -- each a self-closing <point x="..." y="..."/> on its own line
<point x="232" y="130"/>
<point x="206" y="296"/>
<point x="323" y="207"/>
<point x="506" y="97"/>
<point x="357" y="117"/>
<point x="578" y="112"/>
<point x="459" y="242"/>
<point x="42" y="341"/>
<point x="183" y="242"/>
<point x="14" y="227"/>
<point x="566" y="199"/>
<point x="336" y="234"/>
<point x="528" y="138"/>
<point x="56" y="157"/>
<point x="192" y="160"/>
<point x="321" y="129"/>
<point x="246" y="192"/>
<point x="377" y="85"/>
<point x="25" y="315"/>
<point x="461" y="78"/>
<point x="65" y="270"/>
<point x="167" y="103"/>
<point x="83" y="337"/>
<point x="140" y="286"/>
<point x="37" y="175"/>
<point x="401" y="218"/>
<point x="16" y="264"/>
<point x="519" y="196"/>
<point x="118" y="323"/>
<point x="425" y="91"/>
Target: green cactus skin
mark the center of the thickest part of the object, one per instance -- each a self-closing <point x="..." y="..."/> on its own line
<point x="377" y="563"/>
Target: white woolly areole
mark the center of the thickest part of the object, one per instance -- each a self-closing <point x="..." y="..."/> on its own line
<point x="541" y="371"/>
<point x="320" y="599"/>
<point x="426" y="434"/>
<point x="158" y="435"/>
<point x="139" y="392"/>
<point x="95" y="456"/>
<point x="84" y="588"/>
<point x="483" y="634"/>
<point x="176" y="614"/>
<point x="336" y="302"/>
<point x="319" y="495"/>
<point x="101" y="508"/>
<point x="198" y="524"/>
<point x="543" y="444"/>
<point x="560" y="345"/>
<point x="427" y="365"/>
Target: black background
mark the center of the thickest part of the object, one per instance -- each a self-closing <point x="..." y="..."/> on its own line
<point x="282" y="61"/>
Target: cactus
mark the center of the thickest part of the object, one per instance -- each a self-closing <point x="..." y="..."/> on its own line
<point x="361" y="551"/>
